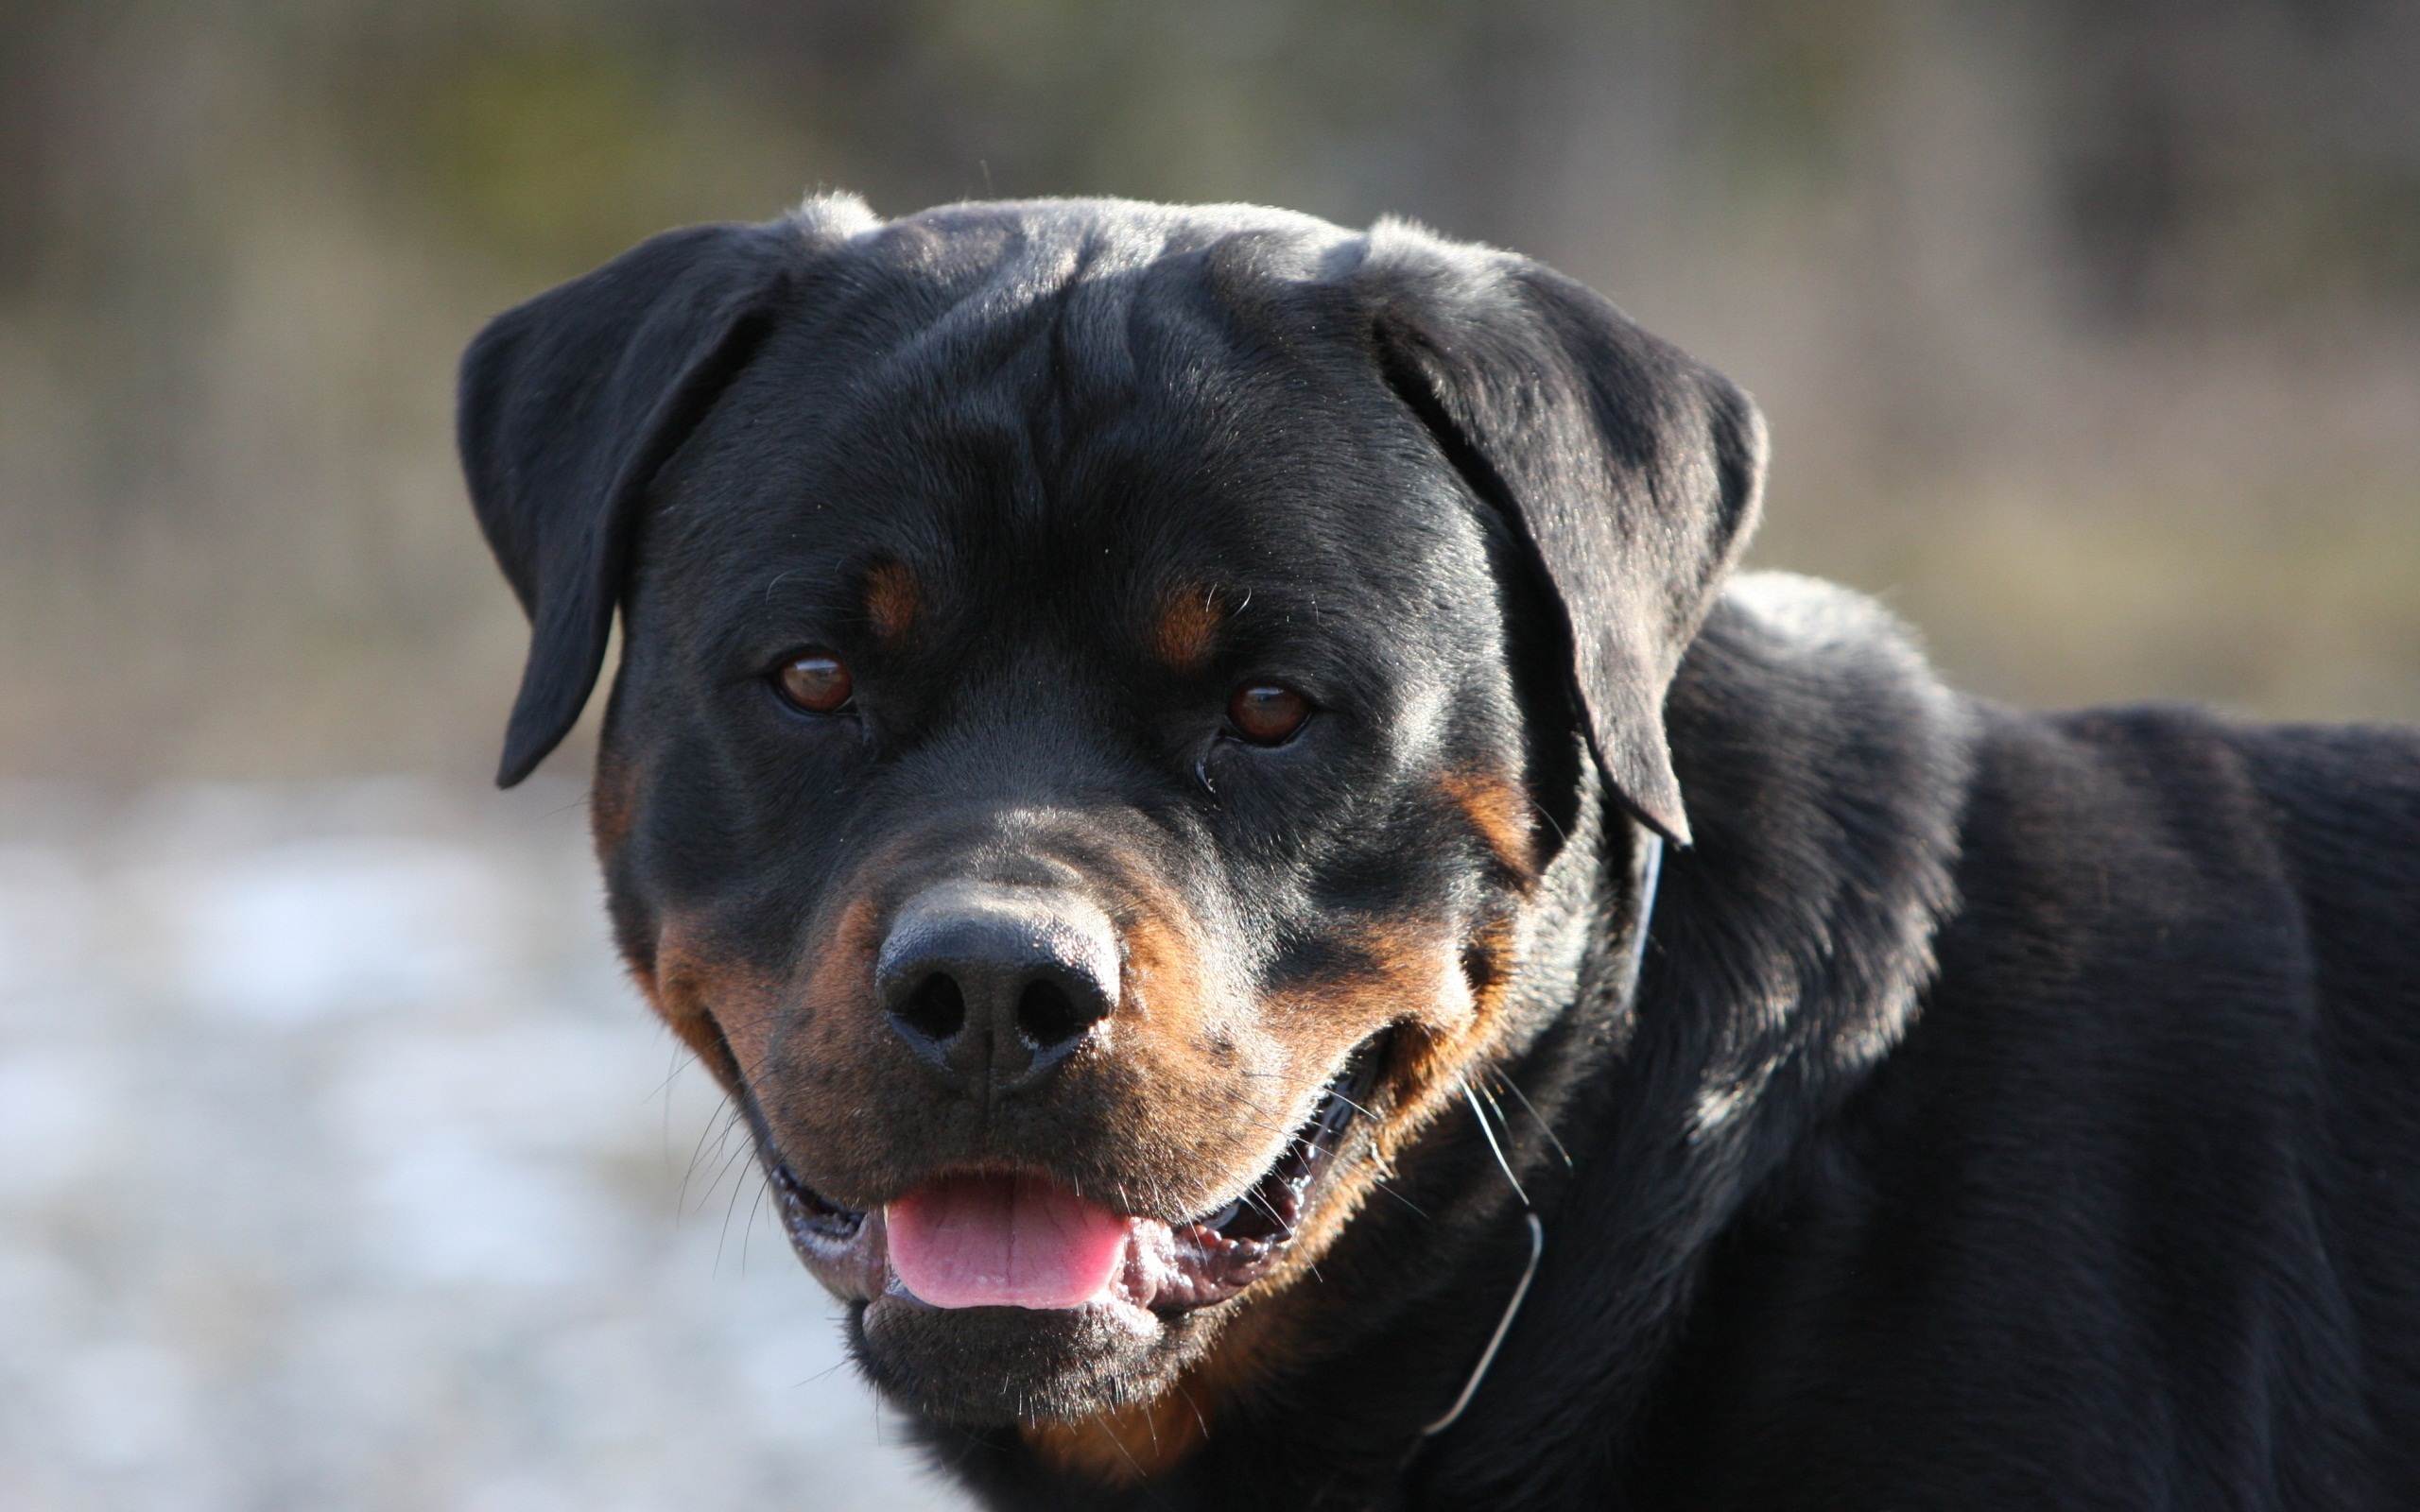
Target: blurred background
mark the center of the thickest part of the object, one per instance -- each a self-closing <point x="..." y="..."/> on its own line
<point x="337" y="1167"/>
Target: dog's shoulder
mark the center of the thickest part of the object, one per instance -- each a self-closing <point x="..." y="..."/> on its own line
<point x="2147" y="1127"/>
<point x="2344" y="802"/>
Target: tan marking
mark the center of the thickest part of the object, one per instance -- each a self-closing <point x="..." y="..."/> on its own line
<point x="891" y="599"/>
<point x="1500" y="810"/>
<point x="1184" y="1085"/>
<point x="1445" y="1022"/>
<point x="725" y="1008"/>
<point x="1134" y="1443"/>
<point x="1413" y="976"/>
<point x="1186" y="630"/>
<point x="613" y="805"/>
<point x="1168" y="1034"/>
<point x="1418" y="983"/>
<point x="1128" y="1445"/>
<point x="689" y="987"/>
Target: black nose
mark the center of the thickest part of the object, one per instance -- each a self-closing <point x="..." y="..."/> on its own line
<point x="996" y="985"/>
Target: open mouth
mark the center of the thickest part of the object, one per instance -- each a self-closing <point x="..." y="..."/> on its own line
<point x="1001" y="1239"/>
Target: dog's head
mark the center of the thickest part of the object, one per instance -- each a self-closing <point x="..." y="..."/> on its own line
<point x="1101" y="685"/>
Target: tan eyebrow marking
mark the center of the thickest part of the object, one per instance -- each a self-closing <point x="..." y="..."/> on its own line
<point x="891" y="599"/>
<point x="1188" y="629"/>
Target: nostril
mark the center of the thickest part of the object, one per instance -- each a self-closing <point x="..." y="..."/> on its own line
<point x="993" y="984"/>
<point x="936" y="1010"/>
<point x="1046" y="1015"/>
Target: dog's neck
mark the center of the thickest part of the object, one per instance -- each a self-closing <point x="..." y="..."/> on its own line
<point x="1826" y="769"/>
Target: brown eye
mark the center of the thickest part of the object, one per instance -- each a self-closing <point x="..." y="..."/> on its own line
<point x="815" y="683"/>
<point x="1266" y="713"/>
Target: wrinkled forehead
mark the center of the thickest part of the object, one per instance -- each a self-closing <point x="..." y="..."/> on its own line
<point x="1142" y="422"/>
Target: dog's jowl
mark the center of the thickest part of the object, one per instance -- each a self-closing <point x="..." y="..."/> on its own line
<point x="1288" y="935"/>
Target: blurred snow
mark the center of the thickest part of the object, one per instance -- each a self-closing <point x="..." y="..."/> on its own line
<point x="309" y="929"/>
<point x="340" y="1169"/>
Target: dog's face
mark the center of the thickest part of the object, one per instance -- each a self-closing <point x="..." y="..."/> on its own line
<point x="1095" y="708"/>
<point x="1060" y="805"/>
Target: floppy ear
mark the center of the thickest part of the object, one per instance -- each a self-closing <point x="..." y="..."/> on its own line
<point x="569" y="405"/>
<point x="1634" y="471"/>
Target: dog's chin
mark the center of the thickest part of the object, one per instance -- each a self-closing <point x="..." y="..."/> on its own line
<point x="985" y="1366"/>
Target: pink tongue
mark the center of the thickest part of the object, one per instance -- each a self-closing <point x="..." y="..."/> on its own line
<point x="1001" y="1240"/>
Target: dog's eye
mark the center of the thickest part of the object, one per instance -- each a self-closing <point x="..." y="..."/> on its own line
<point x="1267" y="713"/>
<point x="816" y="681"/>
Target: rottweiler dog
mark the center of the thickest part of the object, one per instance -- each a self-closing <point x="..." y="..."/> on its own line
<point x="1290" y="936"/>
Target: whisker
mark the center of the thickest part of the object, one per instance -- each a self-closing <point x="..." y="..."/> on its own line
<point x="1140" y="1474"/>
<point x="748" y="1229"/>
<point x="1382" y="1186"/>
<point x="1204" y="1423"/>
<point x="722" y="1145"/>
<point x="1543" y="1127"/>
<point x="696" y="1153"/>
<point x="729" y="1161"/>
<point x="1254" y="1199"/>
<point x="722" y="1236"/>
<point x="1488" y="1132"/>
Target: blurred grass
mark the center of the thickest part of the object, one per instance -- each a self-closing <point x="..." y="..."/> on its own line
<point x="2284" y="617"/>
<point x="2090" y="339"/>
<point x="558" y="159"/>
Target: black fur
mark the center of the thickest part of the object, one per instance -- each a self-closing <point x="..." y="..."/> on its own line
<point x="568" y="406"/>
<point x="2013" y="1111"/>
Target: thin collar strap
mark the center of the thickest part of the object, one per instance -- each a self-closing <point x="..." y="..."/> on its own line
<point x="1650" y="872"/>
<point x="1503" y="1326"/>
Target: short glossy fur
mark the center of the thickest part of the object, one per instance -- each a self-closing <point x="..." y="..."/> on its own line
<point x="2011" y="1112"/>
